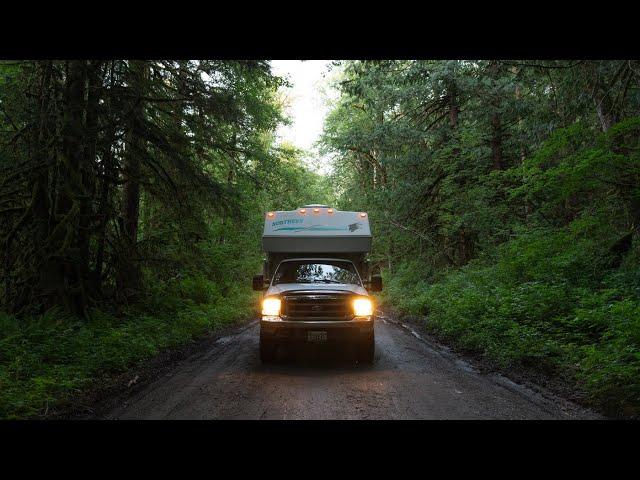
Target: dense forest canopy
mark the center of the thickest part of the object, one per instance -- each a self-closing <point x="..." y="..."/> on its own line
<point x="132" y="195"/>
<point x="450" y="153"/>
<point x="504" y="197"/>
<point x="505" y="201"/>
<point x="115" y="171"/>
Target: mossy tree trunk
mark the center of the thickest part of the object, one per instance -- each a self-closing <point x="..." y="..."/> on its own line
<point x="129" y="278"/>
<point x="62" y="276"/>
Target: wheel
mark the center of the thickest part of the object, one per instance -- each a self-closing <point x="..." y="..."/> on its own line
<point x="367" y="349"/>
<point x="267" y="350"/>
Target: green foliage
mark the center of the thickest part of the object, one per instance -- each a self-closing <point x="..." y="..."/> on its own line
<point x="47" y="360"/>
<point x="195" y="140"/>
<point x="111" y="169"/>
<point x="540" y="303"/>
<point x="505" y="207"/>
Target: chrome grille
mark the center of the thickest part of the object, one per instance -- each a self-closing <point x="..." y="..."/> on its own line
<point x="316" y="307"/>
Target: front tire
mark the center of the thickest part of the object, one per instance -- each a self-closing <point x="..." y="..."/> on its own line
<point x="367" y="349"/>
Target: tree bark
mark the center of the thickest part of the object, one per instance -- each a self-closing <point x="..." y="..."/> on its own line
<point x="453" y="107"/>
<point x="495" y="122"/>
<point x="89" y="168"/>
<point x="465" y="245"/>
<point x="129" y="278"/>
<point x="108" y="174"/>
<point x="63" y="270"/>
<point x="601" y="99"/>
<point x="39" y="205"/>
<point x="604" y="110"/>
<point x="496" y="142"/>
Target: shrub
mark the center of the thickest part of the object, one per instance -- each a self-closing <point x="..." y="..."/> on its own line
<point x="46" y="360"/>
<point x="548" y="300"/>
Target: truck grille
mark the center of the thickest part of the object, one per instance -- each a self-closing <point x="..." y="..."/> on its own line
<point x="316" y="307"/>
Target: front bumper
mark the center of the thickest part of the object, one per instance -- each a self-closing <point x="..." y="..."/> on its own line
<point x="296" y="330"/>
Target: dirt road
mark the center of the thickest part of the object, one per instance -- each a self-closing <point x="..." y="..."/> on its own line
<point x="412" y="378"/>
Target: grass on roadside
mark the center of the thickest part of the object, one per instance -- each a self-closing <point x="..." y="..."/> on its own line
<point x="47" y="360"/>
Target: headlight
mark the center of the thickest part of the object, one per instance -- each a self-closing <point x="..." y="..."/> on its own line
<point x="271" y="306"/>
<point x="362" y="307"/>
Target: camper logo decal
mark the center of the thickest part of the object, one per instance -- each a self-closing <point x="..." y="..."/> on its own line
<point x="313" y="228"/>
<point x="287" y="222"/>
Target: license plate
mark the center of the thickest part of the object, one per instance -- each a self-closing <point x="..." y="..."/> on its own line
<point x="316" y="336"/>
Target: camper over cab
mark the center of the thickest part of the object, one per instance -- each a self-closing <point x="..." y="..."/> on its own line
<point x="315" y="280"/>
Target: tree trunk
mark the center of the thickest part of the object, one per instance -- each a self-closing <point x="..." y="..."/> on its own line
<point x="599" y="93"/>
<point x="89" y="168"/>
<point x="518" y="95"/>
<point x="495" y="121"/>
<point x="453" y="107"/>
<point x="129" y="277"/>
<point x="496" y="142"/>
<point x="604" y="110"/>
<point x="108" y="174"/>
<point x="38" y="210"/>
<point x="63" y="270"/>
<point x="635" y="214"/>
<point x="464" y="242"/>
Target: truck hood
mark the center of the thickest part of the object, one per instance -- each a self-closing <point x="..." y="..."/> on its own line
<point x="332" y="287"/>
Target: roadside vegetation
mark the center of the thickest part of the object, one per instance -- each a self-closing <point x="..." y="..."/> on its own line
<point x="505" y="198"/>
<point x="132" y="196"/>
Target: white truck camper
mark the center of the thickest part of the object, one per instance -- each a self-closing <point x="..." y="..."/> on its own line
<point x="315" y="280"/>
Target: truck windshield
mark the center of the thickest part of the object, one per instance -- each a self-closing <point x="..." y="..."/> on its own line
<point x="315" y="271"/>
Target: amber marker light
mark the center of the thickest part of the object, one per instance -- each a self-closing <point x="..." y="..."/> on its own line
<point x="329" y="211"/>
<point x="271" y="214"/>
<point x="303" y="211"/>
<point x="362" y="214"/>
<point x="316" y="210"/>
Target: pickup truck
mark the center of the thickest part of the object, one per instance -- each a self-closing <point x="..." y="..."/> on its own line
<point x="315" y="280"/>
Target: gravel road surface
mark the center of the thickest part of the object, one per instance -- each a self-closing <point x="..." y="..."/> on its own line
<point x="411" y="378"/>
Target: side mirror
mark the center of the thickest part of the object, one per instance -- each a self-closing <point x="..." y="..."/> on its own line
<point x="376" y="283"/>
<point x="258" y="282"/>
